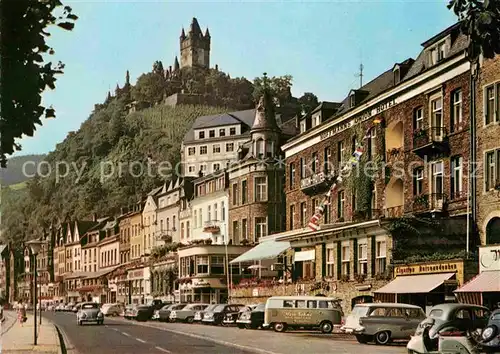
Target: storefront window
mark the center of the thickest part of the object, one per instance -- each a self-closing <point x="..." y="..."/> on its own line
<point x="217" y="265"/>
<point x="202" y="264"/>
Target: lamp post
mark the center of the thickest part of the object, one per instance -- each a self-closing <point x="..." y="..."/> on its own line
<point x="35" y="246"/>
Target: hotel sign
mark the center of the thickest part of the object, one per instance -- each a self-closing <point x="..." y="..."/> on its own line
<point x="489" y="258"/>
<point x="359" y="119"/>
<point x="432" y="268"/>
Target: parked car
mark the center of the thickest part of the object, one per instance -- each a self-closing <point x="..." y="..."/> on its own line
<point x="69" y="306"/>
<point x="446" y="318"/>
<point x="130" y="311"/>
<point x="163" y="314"/>
<point x="112" y="309"/>
<point x="252" y="319"/>
<point x="283" y="312"/>
<point x="61" y="307"/>
<point x="89" y="312"/>
<point x="76" y="308"/>
<point x="490" y="337"/>
<point x="217" y="315"/>
<point x="157" y="304"/>
<point x="232" y="317"/>
<point x="143" y="313"/>
<point x="383" y="322"/>
<point x="187" y="313"/>
<point x="198" y="316"/>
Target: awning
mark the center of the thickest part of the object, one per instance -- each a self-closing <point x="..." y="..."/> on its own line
<point x="415" y="284"/>
<point x="485" y="282"/>
<point x="101" y="272"/>
<point x="265" y="250"/>
<point x="304" y="256"/>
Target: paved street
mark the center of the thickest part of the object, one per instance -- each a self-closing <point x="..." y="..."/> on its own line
<point x="123" y="336"/>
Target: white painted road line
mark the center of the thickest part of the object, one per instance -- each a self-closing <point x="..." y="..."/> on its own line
<point x="125" y="334"/>
<point x="140" y="340"/>
<point x="163" y="350"/>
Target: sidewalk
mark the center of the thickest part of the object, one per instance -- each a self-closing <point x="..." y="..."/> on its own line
<point x="17" y="339"/>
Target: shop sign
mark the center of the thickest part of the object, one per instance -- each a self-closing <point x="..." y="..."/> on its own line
<point x="200" y="283"/>
<point x="359" y="119"/>
<point x="136" y="274"/>
<point x="429" y="268"/>
<point x="255" y="292"/>
<point x="489" y="258"/>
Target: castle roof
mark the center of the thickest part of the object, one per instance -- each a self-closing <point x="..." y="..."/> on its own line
<point x="195" y="27"/>
<point x="265" y="118"/>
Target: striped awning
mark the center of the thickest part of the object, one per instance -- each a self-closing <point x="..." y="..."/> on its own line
<point x="485" y="282"/>
<point x="415" y="284"/>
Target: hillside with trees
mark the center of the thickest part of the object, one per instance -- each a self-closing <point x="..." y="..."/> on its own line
<point x="97" y="169"/>
<point x="19" y="169"/>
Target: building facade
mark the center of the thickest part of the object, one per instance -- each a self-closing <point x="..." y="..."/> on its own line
<point x="167" y="227"/>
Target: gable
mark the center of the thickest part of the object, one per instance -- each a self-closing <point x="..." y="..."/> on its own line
<point x="150" y="205"/>
<point x="76" y="233"/>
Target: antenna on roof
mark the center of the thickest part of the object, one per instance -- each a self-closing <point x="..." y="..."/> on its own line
<point x="360" y="75"/>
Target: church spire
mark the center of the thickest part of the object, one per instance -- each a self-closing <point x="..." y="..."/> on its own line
<point x="265" y="118"/>
<point x="176" y="64"/>
<point x="127" y="78"/>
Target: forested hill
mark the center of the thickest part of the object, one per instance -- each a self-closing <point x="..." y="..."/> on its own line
<point x="110" y="161"/>
<point x="19" y="169"/>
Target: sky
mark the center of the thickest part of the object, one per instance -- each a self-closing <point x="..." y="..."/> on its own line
<point x="321" y="44"/>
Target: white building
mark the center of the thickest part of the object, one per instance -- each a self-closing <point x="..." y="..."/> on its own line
<point x="209" y="208"/>
<point x="167" y="214"/>
<point x="213" y="141"/>
<point x="149" y="220"/>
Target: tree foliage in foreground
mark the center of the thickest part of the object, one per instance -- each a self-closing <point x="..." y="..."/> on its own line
<point x="481" y="22"/>
<point x="26" y="73"/>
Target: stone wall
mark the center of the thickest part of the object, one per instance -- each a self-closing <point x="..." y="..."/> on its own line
<point x="345" y="291"/>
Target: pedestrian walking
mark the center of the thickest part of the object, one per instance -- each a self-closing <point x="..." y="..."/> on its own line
<point x="21" y="312"/>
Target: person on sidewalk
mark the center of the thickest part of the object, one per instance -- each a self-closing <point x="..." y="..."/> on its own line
<point x="21" y="312"/>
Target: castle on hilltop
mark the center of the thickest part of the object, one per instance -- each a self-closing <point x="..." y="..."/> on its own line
<point x="195" y="46"/>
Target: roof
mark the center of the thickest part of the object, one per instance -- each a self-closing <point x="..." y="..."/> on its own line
<point x="326" y="105"/>
<point x="265" y="117"/>
<point x="84" y="226"/>
<point x="415" y="284"/>
<point x="155" y="191"/>
<point x="485" y="282"/>
<point x="218" y="120"/>
<point x="440" y="35"/>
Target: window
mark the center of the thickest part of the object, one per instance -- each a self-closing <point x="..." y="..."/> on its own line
<point x="201" y="135"/>
<point x="202" y="264"/>
<point x="235" y="194"/>
<point x="380" y="256"/>
<point x="222" y="132"/>
<point x="492" y="169"/>
<point x="203" y="167"/>
<point x="303" y="214"/>
<point x="300" y="304"/>
<point x="244" y="229"/>
<point x="229" y="147"/>
<point x="441" y="51"/>
<point x="215" y="213"/>
<point x="223" y="211"/>
<point x="203" y="150"/>
<point x="437" y="178"/>
<point x="303" y="126"/>
<point x="397" y="75"/>
<point x="182" y="230"/>
<point x="215" y="167"/>
<point x="456" y="109"/>
<point x="209" y="213"/>
<point x="346" y="256"/>
<point x="340" y="151"/>
<point x="217" y="265"/>
<point x="191" y="151"/>
<point x="363" y="256"/>
<point x="330" y="261"/>
<point x="200" y="218"/>
<point x="437" y="117"/>
<point x="316" y="120"/>
<point x="260" y="189"/>
<point x="456" y="177"/>
<point x="327" y="159"/>
<point x="303" y="168"/>
<point x="352" y="100"/>
<point x="373" y="201"/>
<point x="418" y="118"/>
<point x="372" y="144"/>
<point x="314" y="163"/>
<point x="216" y="148"/>
<point x="292" y="175"/>
<point x="187" y="229"/>
<point x="232" y="131"/>
<point x="340" y="204"/>
<point x="260" y="228"/>
<point x="244" y="192"/>
<point x="312" y="304"/>
<point x="211" y="133"/>
<point x="236" y="230"/>
<point x="492" y="104"/>
<point x="292" y="216"/>
<point x="418" y="181"/>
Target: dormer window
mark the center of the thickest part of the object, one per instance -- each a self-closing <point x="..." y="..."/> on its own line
<point x="438" y="53"/>
<point x="397" y="76"/>
<point x="303" y="126"/>
<point x="201" y="135"/>
<point x="211" y="133"/>
<point x="232" y="131"/>
<point x="316" y="120"/>
<point x="352" y="100"/>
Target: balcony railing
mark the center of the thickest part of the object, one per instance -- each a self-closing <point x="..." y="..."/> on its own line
<point x="394" y="211"/>
<point x="362" y="215"/>
<point x="212" y="227"/>
<point x="431" y="140"/>
<point x="429" y="202"/>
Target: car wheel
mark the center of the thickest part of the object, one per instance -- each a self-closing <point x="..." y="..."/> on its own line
<point x="280" y="327"/>
<point x="383" y="338"/>
<point x="190" y="319"/>
<point x="326" y="327"/>
<point x="241" y="326"/>
<point x="362" y="338"/>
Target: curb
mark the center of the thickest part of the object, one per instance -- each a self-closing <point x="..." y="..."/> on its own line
<point x="65" y="346"/>
<point x="210" y="339"/>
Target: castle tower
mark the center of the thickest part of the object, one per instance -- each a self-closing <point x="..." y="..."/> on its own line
<point x="195" y="47"/>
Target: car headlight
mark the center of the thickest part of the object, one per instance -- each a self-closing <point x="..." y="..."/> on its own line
<point x="488" y="333"/>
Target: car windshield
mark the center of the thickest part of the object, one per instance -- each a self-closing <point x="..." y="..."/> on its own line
<point x="360" y="311"/>
<point x="219" y="308"/>
<point x="436" y="313"/>
<point x="89" y="306"/>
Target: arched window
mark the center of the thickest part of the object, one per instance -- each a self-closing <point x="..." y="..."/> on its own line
<point x="493" y="232"/>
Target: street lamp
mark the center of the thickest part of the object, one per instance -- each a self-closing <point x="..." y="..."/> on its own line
<point x="35" y="247"/>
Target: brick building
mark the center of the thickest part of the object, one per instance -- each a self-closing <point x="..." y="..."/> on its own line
<point x="488" y="151"/>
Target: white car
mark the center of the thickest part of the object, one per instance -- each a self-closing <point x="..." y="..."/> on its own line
<point x="111" y="309"/>
<point x="89" y="312"/>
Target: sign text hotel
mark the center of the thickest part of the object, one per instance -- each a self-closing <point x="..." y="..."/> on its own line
<point x="359" y="119"/>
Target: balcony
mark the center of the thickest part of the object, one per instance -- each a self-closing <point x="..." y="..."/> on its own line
<point x="315" y="183"/>
<point x="394" y="212"/>
<point x="164" y="235"/>
<point x="212" y="227"/>
<point x="429" y="203"/>
<point x="365" y="215"/>
<point x="429" y="142"/>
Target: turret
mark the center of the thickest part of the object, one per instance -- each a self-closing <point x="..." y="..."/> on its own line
<point x="183" y="34"/>
<point x="207" y="33"/>
<point x="194" y="29"/>
<point x="176" y="64"/>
